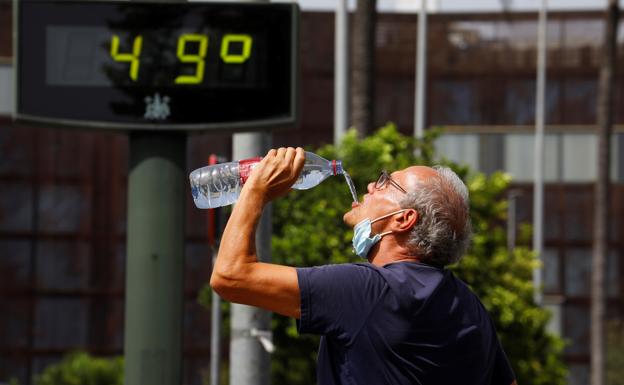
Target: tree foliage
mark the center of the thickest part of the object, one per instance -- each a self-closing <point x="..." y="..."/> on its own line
<point x="308" y="231"/>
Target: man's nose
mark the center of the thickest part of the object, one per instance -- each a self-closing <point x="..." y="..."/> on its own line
<point x="370" y="187"/>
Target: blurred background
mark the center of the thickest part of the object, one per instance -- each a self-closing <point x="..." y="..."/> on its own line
<point x="63" y="192"/>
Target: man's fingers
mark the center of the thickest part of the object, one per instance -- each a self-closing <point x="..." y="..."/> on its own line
<point x="299" y="161"/>
<point x="290" y="155"/>
<point x="281" y="152"/>
<point x="279" y="169"/>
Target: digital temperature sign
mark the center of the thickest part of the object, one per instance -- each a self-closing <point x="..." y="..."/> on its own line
<point x="140" y="65"/>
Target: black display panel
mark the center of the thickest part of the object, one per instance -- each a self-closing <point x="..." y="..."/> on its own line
<point x="157" y="65"/>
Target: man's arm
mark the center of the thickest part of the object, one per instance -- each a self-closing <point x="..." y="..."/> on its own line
<point x="237" y="276"/>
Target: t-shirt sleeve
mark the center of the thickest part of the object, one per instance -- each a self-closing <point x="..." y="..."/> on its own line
<point x="337" y="299"/>
<point x="502" y="373"/>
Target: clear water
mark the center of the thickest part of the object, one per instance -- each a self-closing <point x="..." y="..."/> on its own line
<point x="351" y="186"/>
<point x="311" y="175"/>
<point x="219" y="185"/>
<point x="215" y="186"/>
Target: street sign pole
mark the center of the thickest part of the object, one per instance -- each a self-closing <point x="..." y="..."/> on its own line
<point x="538" y="186"/>
<point x="341" y="71"/>
<point x="155" y="258"/>
<point x="421" y="72"/>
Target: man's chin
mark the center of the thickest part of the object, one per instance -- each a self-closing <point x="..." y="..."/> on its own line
<point x="349" y="218"/>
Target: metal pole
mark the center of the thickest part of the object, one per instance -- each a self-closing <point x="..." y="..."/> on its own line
<point x="538" y="190"/>
<point x="600" y="359"/>
<point x="214" y="231"/>
<point x="154" y="306"/>
<point x="341" y="70"/>
<point x="215" y="335"/>
<point x="511" y="219"/>
<point x="421" y="72"/>
<point x="250" y="342"/>
<point x="155" y="258"/>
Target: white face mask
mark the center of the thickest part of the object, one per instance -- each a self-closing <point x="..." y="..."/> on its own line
<point x="362" y="242"/>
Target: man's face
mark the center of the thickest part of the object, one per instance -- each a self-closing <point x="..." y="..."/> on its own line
<point x="385" y="199"/>
<point x="379" y="200"/>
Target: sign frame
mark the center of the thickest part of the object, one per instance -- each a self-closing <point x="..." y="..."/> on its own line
<point x="289" y="121"/>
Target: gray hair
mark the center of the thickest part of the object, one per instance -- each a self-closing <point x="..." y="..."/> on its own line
<point x="443" y="231"/>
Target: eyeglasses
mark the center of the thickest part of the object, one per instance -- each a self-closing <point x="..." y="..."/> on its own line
<point x="385" y="178"/>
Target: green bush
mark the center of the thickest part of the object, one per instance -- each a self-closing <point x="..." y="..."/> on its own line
<point x="82" y="369"/>
<point x="308" y="231"/>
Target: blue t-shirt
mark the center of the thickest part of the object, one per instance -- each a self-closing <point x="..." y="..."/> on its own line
<point x="403" y="323"/>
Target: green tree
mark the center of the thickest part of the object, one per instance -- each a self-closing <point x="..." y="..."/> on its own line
<point x="82" y="369"/>
<point x="308" y="231"/>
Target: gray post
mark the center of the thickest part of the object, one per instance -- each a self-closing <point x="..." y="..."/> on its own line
<point x="215" y="335"/>
<point x="421" y="72"/>
<point x="250" y="362"/>
<point x="538" y="187"/>
<point x="216" y="321"/>
<point x="155" y="259"/>
<point x="512" y="227"/>
<point x="341" y="71"/>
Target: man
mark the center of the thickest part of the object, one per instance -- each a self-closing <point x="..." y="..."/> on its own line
<point x="399" y="319"/>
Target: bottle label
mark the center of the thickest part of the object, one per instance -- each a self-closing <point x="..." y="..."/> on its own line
<point x="245" y="166"/>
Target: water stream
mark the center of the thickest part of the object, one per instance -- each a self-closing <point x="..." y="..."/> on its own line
<point x="351" y="186"/>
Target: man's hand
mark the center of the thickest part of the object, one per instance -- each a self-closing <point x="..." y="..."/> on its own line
<point x="276" y="173"/>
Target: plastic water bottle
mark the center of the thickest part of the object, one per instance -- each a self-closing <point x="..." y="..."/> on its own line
<point x="221" y="184"/>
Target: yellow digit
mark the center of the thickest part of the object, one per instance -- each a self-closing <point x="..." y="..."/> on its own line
<point x="227" y="57"/>
<point x="133" y="57"/>
<point x="197" y="58"/>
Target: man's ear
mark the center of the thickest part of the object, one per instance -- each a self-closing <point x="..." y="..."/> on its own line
<point x="406" y="221"/>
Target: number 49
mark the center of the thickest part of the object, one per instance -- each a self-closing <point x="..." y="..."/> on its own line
<point x="198" y="58"/>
